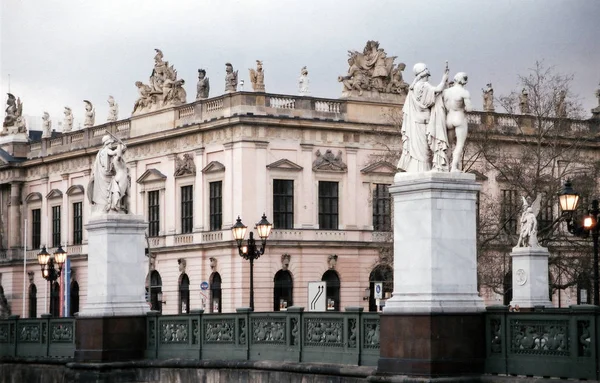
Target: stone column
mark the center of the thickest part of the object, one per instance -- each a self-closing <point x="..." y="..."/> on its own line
<point x="530" y="277"/>
<point x="14" y="216"/>
<point x="433" y="325"/>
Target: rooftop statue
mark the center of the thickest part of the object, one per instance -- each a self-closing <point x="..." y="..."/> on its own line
<point x="163" y="90"/>
<point x="524" y="101"/>
<point x="529" y="228"/>
<point x="372" y="74"/>
<point x="203" y="87"/>
<point x="303" y="82"/>
<point x="14" y="122"/>
<point x="113" y="110"/>
<point x="561" y="104"/>
<point x="90" y="114"/>
<point x="108" y="189"/>
<point x="457" y="101"/>
<point x="46" y="126"/>
<point x="257" y="77"/>
<point x="68" y="120"/>
<point x="231" y="78"/>
<point x="596" y="110"/>
<point x="424" y="124"/>
<point x="488" y="98"/>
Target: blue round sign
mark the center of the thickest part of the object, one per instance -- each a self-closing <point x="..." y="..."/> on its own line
<point x="204" y="285"/>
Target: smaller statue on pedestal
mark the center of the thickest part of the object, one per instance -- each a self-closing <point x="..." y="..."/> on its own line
<point x="231" y="79"/>
<point x="488" y="98"/>
<point x="303" y="82"/>
<point x="113" y="110"/>
<point x="528" y="232"/>
<point x="257" y="77"/>
<point x="68" y="120"/>
<point x="46" y="126"/>
<point x="90" y="115"/>
<point x="203" y="87"/>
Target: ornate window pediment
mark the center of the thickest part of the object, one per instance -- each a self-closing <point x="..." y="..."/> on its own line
<point x="380" y="167"/>
<point x="33" y="197"/>
<point x="285" y="164"/>
<point x="151" y="175"/>
<point x="74" y="190"/>
<point x="329" y="162"/>
<point x="214" y="167"/>
<point x="54" y="193"/>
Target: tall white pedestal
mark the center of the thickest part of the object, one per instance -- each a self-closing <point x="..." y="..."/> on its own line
<point x="435" y="255"/>
<point x="117" y="266"/>
<point x="530" y="277"/>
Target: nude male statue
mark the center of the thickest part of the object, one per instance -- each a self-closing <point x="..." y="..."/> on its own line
<point x="457" y="101"/>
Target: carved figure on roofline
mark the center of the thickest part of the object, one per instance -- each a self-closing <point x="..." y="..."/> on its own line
<point x="596" y="110"/>
<point x="372" y="74"/>
<point x="303" y="82"/>
<point x="529" y="228"/>
<point x="231" y="79"/>
<point x="488" y="98"/>
<point x="524" y="101"/>
<point x="457" y="101"/>
<point x="68" y="120"/>
<point x="113" y="110"/>
<point x="46" y="126"/>
<point x="145" y="97"/>
<point x="561" y="104"/>
<point x="424" y="124"/>
<point x="108" y="189"/>
<point x="257" y="77"/>
<point x="90" y="114"/>
<point x="14" y="122"/>
<point x="203" y="86"/>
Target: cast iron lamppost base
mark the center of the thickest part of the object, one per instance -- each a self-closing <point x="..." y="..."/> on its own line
<point x="250" y="251"/>
<point x="569" y="199"/>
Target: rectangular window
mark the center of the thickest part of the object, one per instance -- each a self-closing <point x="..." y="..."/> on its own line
<point x="382" y="208"/>
<point x="36" y="228"/>
<point x="283" y="204"/>
<point x="546" y="216"/>
<point x="153" y="213"/>
<point x="55" y="226"/>
<point x="510" y="211"/>
<point x="187" y="209"/>
<point x="77" y="223"/>
<point x="216" y="212"/>
<point x="328" y="205"/>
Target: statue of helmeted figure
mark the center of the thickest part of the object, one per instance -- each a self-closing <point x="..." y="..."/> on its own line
<point x="424" y="124"/>
<point x="46" y="126"/>
<point x="529" y="228"/>
<point x="457" y="101"/>
<point x="90" y="115"/>
<point x="303" y="82"/>
<point x="68" y="120"/>
<point x="231" y="78"/>
<point x="257" y="77"/>
<point x="14" y="122"/>
<point x="113" y="110"/>
<point x="203" y="86"/>
<point x="108" y="189"/>
<point x="488" y="98"/>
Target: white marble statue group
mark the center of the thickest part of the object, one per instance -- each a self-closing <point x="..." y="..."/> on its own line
<point x="529" y="224"/>
<point x="108" y="189"/>
<point x="432" y="117"/>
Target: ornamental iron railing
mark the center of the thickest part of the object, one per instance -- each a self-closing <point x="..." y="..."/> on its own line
<point x="43" y="337"/>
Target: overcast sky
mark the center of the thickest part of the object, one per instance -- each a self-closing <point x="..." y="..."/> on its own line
<point x="60" y="52"/>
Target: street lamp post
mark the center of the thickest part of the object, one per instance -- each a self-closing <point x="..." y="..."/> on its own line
<point x="250" y="251"/>
<point x="52" y="264"/>
<point x="569" y="199"/>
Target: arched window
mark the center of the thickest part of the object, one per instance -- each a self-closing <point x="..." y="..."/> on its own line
<point x="184" y="294"/>
<point x="74" y="300"/>
<point x="55" y="299"/>
<point x="508" y="290"/>
<point x="283" y="296"/>
<point x="32" y="301"/>
<point x="332" y="291"/>
<point x="155" y="291"/>
<point x="215" y="293"/>
<point x="381" y="274"/>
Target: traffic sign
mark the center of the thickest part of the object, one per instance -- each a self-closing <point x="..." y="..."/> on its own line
<point x="204" y="285"/>
<point x="316" y="296"/>
<point x="378" y="290"/>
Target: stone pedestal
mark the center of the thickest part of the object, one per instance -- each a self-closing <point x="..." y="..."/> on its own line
<point x="433" y="326"/>
<point x="530" y="277"/>
<point x="111" y="325"/>
<point x="117" y="266"/>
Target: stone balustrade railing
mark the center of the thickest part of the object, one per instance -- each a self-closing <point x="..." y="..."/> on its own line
<point x="282" y="102"/>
